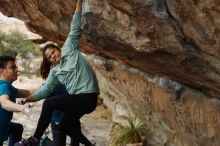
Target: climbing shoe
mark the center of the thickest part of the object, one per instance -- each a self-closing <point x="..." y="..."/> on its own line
<point x="31" y="141"/>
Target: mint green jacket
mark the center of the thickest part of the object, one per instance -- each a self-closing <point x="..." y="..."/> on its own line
<point x="74" y="72"/>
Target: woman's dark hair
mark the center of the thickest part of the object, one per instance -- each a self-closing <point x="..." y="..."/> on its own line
<point x="46" y="65"/>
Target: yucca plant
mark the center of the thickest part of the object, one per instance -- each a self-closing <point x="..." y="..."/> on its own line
<point x="128" y="134"/>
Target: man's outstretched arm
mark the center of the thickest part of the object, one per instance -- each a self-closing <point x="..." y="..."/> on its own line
<point x="22" y="93"/>
<point x="9" y="105"/>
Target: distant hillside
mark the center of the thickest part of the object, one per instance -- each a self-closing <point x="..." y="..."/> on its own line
<point x="7" y="24"/>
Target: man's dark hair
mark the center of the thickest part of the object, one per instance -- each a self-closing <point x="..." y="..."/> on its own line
<point x="4" y="60"/>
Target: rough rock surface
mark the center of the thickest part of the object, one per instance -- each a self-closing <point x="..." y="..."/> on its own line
<point x="151" y="39"/>
<point x="175" y="115"/>
<point x="179" y="39"/>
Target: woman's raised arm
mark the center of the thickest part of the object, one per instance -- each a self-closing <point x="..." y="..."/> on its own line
<point x="79" y="6"/>
<point x="75" y="30"/>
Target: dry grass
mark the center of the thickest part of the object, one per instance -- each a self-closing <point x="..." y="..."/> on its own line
<point x="102" y="113"/>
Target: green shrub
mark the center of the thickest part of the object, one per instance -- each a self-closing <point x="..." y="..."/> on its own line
<point x="130" y="133"/>
<point x="16" y="43"/>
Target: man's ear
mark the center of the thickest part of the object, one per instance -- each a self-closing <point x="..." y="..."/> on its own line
<point x="1" y="70"/>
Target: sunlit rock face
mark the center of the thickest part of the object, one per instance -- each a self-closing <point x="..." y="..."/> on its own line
<point x="175" y="115"/>
<point x="179" y="39"/>
<point x="159" y="44"/>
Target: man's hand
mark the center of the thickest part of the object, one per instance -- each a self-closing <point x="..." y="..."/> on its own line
<point x="26" y="99"/>
<point x="22" y="101"/>
<point x="26" y="110"/>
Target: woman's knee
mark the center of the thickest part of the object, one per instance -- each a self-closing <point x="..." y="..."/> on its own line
<point x="20" y="128"/>
<point x="46" y="103"/>
<point x="16" y="129"/>
<point x="92" y="105"/>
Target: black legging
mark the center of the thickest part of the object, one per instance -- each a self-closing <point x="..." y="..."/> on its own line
<point x="15" y="133"/>
<point x="74" y="107"/>
<point x="59" y="138"/>
<point x="70" y="125"/>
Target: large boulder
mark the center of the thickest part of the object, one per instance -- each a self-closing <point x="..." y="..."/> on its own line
<point x="179" y="39"/>
<point x="160" y="59"/>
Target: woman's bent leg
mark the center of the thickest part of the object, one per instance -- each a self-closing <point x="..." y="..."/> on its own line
<point x="71" y="124"/>
<point x="66" y="123"/>
<point x="59" y="138"/>
<point x="80" y="104"/>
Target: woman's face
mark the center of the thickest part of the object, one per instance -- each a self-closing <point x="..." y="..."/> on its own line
<point x="53" y="55"/>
